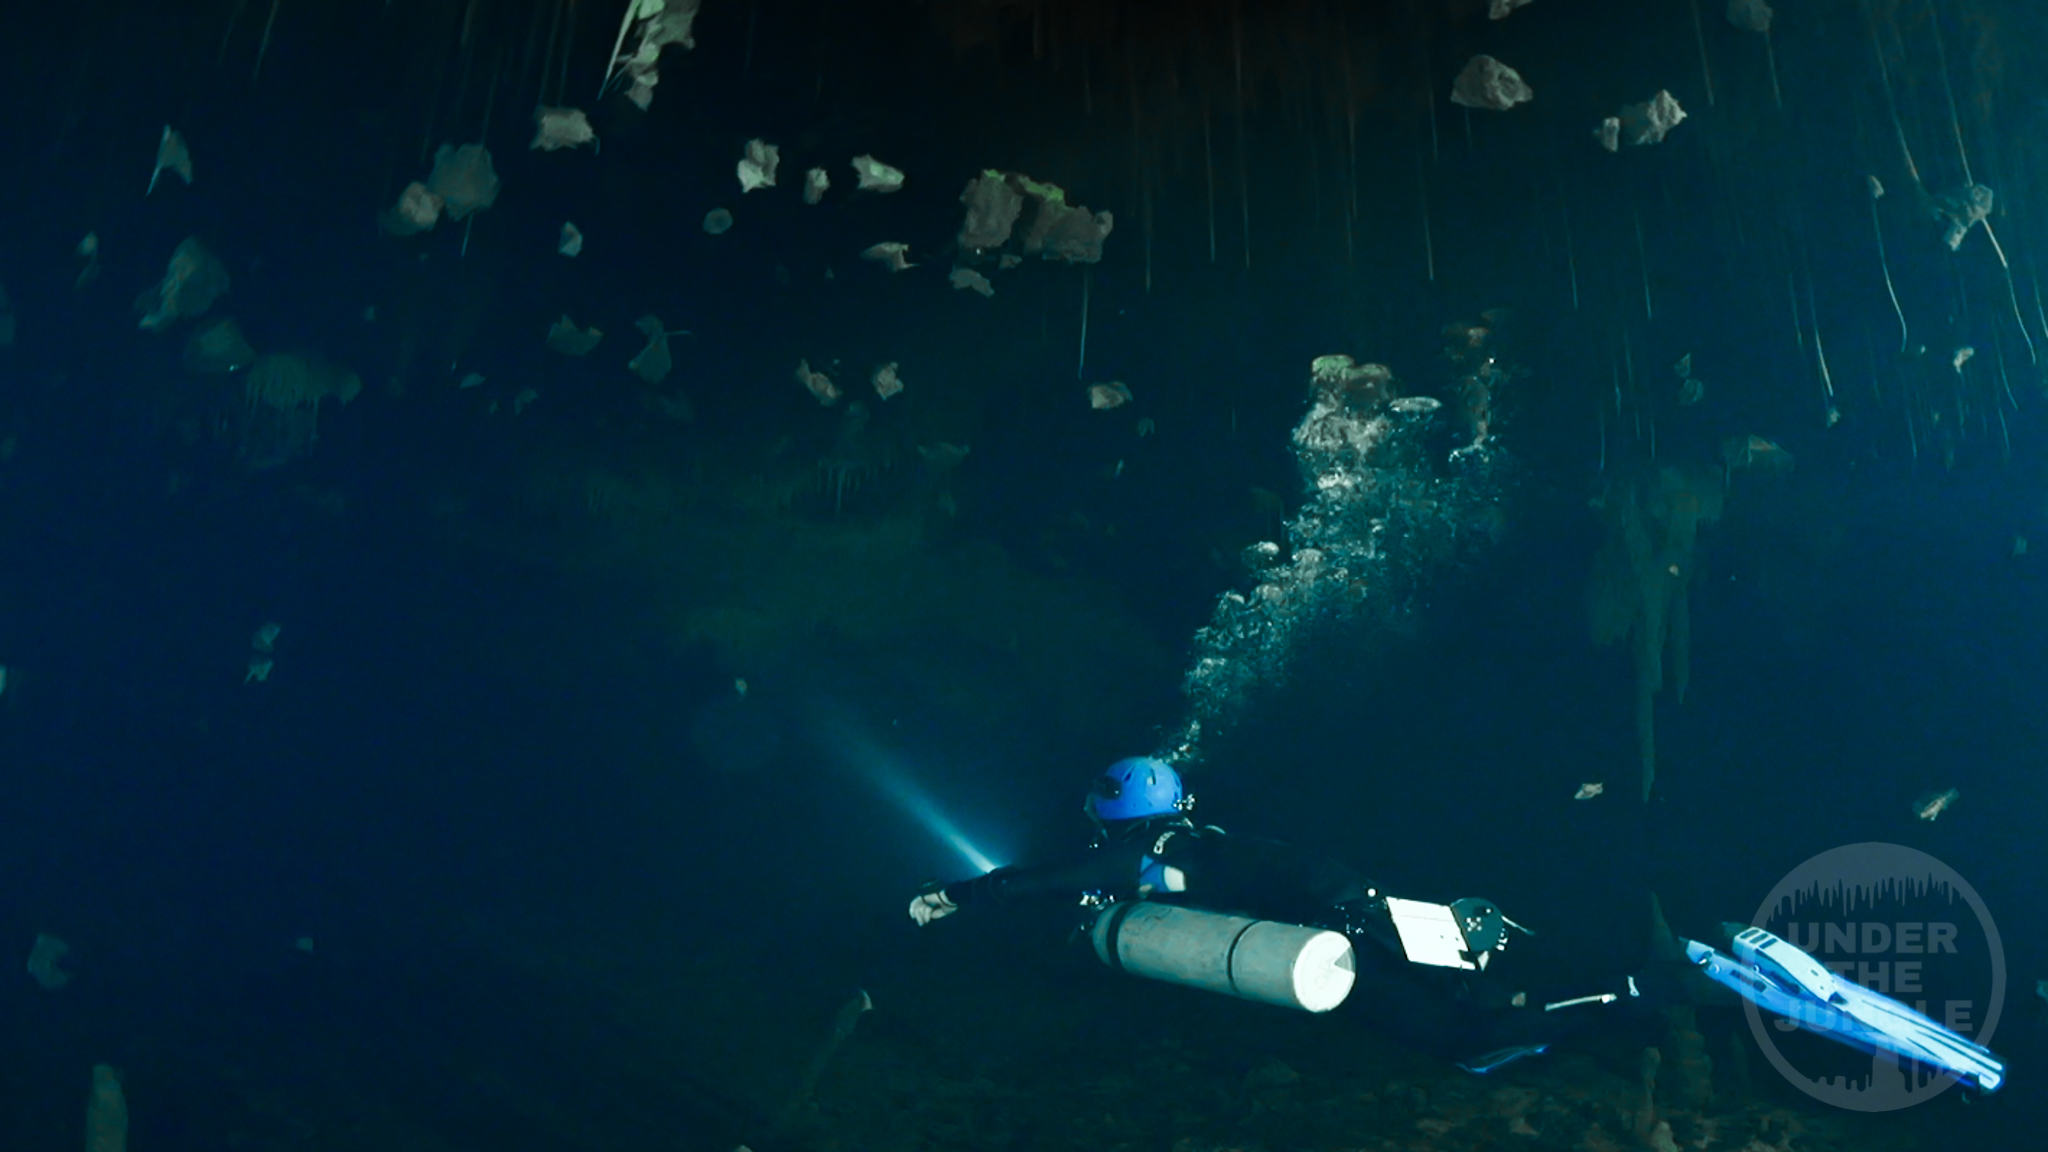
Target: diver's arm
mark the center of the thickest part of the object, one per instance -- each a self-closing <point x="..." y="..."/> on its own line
<point x="1104" y="869"/>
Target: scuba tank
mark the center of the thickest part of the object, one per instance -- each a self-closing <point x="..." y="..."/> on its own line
<point x="1287" y="965"/>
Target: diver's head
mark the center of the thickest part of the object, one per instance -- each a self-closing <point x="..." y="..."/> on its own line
<point x="1134" y="790"/>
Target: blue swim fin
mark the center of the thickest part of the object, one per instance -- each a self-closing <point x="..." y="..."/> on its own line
<point x="1501" y="1058"/>
<point x="1780" y="978"/>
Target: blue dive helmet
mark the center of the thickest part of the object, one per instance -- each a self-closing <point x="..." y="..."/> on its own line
<point x="1135" y="788"/>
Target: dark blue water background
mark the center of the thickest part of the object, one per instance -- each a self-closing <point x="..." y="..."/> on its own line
<point x="543" y="914"/>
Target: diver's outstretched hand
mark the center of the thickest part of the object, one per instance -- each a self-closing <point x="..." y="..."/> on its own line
<point x="926" y="907"/>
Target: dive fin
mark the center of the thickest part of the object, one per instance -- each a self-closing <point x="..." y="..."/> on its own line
<point x="1501" y="1058"/>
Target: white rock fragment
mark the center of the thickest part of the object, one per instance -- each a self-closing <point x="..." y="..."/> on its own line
<point x="817" y="384"/>
<point x="1103" y="397"/>
<point x="1935" y="803"/>
<point x="571" y="241"/>
<point x="194" y="280"/>
<point x="653" y="362"/>
<point x="890" y="253"/>
<point x="1060" y="230"/>
<point x="1487" y="83"/>
<point x="885" y="380"/>
<point x="757" y="167"/>
<point x="1963" y="210"/>
<point x="463" y="181"/>
<point x="464" y="178"/>
<point x="569" y="340"/>
<point x="816" y="182"/>
<point x="45" y="962"/>
<point x="876" y="176"/>
<point x="1588" y="791"/>
<point x="1648" y="122"/>
<point x="417" y="210"/>
<point x="556" y="128"/>
<point x="971" y="280"/>
<point x="263" y="652"/>
<point x="994" y="201"/>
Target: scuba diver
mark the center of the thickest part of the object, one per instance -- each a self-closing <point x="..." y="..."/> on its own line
<point x="1264" y="920"/>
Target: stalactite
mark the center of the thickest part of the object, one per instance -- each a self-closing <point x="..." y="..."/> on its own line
<point x="1641" y="580"/>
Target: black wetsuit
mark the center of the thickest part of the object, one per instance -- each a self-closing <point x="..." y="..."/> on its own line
<point x="1448" y="1012"/>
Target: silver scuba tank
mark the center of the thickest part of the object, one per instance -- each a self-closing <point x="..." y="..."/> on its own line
<point x="1288" y="965"/>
